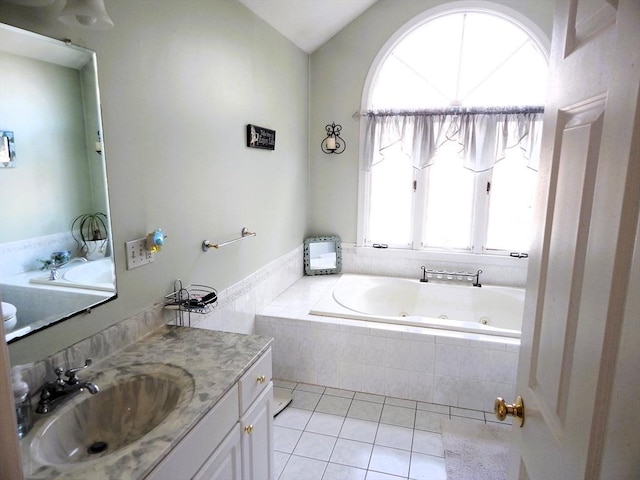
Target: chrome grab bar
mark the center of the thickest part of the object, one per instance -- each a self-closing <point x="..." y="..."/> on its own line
<point x="428" y="273"/>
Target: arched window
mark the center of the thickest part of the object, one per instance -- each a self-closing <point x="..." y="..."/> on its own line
<point x="452" y="130"/>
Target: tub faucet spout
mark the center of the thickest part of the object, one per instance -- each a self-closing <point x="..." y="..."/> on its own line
<point x="476" y="282"/>
<point x="424" y="278"/>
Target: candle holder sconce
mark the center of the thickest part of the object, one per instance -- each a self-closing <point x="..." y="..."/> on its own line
<point x="333" y="142"/>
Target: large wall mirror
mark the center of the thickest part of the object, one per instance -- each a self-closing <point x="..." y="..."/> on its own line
<point x="322" y="255"/>
<point x="50" y="269"/>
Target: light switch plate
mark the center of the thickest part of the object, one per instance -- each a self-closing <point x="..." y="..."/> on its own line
<point x="137" y="253"/>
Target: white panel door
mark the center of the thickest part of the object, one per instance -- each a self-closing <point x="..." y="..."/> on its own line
<point x="576" y="361"/>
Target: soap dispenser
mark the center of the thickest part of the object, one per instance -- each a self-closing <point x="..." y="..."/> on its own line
<point x="22" y="400"/>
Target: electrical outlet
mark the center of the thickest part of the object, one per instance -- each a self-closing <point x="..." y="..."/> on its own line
<point x="137" y="253"/>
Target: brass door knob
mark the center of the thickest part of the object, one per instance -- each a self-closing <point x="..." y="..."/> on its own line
<point x="503" y="409"/>
<point x="248" y="428"/>
<point x="261" y="379"/>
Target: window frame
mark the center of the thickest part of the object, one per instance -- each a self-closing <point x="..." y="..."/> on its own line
<point x="480" y="208"/>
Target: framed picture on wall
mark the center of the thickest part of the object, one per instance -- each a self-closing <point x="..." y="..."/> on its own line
<point x="260" y="137"/>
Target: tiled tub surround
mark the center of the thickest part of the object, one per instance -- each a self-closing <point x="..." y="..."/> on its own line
<point x="237" y="305"/>
<point x="215" y="361"/>
<point x="427" y="365"/>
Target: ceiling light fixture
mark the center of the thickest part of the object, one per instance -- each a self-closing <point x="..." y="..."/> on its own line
<point x="90" y="14"/>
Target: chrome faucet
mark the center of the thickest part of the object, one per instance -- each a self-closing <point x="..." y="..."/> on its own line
<point x="60" y="391"/>
<point x="53" y="267"/>
<point x="424" y="278"/>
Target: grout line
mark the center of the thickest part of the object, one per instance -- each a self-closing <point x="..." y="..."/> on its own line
<point x="450" y="413"/>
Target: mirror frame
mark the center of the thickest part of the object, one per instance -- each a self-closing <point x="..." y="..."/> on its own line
<point x="307" y="255"/>
<point x="42" y="48"/>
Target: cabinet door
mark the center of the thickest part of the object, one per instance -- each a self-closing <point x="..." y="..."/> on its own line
<point x="201" y="442"/>
<point x="257" y="438"/>
<point x="225" y="463"/>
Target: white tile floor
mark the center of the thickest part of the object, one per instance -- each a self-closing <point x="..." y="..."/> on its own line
<point x="331" y="434"/>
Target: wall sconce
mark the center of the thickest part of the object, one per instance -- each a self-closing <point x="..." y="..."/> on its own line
<point x="333" y="143"/>
<point x="90" y="14"/>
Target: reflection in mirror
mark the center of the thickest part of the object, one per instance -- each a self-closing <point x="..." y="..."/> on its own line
<point x="322" y="255"/>
<point x="7" y="150"/>
<point x="50" y="104"/>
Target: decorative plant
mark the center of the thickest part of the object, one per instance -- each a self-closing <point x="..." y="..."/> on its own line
<point x="89" y="227"/>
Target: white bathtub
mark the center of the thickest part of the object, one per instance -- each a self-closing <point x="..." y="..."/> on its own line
<point x="489" y="310"/>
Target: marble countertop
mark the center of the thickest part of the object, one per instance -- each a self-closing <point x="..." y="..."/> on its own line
<point x="215" y="360"/>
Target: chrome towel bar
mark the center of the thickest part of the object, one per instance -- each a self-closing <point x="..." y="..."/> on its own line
<point x="206" y="245"/>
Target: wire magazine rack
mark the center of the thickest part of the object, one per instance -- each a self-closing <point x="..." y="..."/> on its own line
<point x="194" y="298"/>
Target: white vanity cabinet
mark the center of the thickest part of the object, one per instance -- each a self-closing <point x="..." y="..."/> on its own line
<point x="234" y="441"/>
<point x="256" y="405"/>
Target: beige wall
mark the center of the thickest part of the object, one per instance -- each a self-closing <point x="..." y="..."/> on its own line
<point x="179" y="81"/>
<point x="51" y="155"/>
<point x="339" y="69"/>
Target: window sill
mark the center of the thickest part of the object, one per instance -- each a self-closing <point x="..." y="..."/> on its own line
<point x="440" y="256"/>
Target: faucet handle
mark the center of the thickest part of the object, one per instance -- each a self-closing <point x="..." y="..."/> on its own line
<point x="53" y="272"/>
<point x="59" y="371"/>
<point x="72" y="372"/>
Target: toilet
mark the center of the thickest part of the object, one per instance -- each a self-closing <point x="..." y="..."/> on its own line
<point x="9" y="316"/>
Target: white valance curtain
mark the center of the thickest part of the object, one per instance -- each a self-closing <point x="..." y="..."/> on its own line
<point x="483" y="134"/>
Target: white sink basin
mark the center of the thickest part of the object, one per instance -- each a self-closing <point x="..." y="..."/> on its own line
<point x="98" y="271"/>
<point x="92" y="426"/>
<point x="92" y="275"/>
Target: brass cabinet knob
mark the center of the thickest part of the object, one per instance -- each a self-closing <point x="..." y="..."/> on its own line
<point x="503" y="409"/>
<point x="248" y="429"/>
<point x="261" y="379"/>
